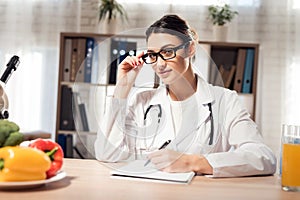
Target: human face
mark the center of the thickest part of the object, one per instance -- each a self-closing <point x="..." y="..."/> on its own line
<point x="168" y="70"/>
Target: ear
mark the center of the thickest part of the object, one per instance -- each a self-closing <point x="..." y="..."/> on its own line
<point x="191" y="50"/>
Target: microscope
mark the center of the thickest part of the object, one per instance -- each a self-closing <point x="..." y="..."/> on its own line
<point x="10" y="68"/>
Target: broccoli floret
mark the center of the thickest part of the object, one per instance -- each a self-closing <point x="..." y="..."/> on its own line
<point x="5" y="130"/>
<point x="2" y="139"/>
<point x="9" y="133"/>
<point x="3" y="122"/>
<point x="13" y="139"/>
<point x="13" y="126"/>
<point x="4" y="133"/>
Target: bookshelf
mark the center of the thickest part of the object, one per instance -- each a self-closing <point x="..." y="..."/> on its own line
<point x="87" y="74"/>
<point x="234" y="65"/>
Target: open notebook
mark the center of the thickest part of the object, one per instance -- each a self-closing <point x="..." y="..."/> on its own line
<point x="136" y="169"/>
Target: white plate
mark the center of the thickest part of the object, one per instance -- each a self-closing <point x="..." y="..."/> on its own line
<point x="31" y="184"/>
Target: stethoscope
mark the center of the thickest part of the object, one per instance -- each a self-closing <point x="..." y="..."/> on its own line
<point x="211" y="135"/>
<point x="158" y="121"/>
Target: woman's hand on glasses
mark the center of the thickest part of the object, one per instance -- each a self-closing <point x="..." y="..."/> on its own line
<point x="128" y="70"/>
<point x="130" y="64"/>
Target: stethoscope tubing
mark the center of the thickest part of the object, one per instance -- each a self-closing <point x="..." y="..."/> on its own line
<point x="211" y="135"/>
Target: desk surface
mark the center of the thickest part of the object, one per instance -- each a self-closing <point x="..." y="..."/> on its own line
<point x="89" y="179"/>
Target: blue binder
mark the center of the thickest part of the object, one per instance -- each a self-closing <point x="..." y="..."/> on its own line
<point x="61" y="140"/>
<point x="88" y="60"/>
<point x="248" y="72"/>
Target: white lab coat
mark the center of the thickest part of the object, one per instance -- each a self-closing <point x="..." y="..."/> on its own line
<point x="237" y="149"/>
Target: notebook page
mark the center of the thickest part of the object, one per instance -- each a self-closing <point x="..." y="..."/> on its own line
<point x="136" y="169"/>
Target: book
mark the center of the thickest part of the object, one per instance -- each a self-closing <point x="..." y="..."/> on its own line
<point x="247" y="78"/>
<point x="80" y="113"/>
<point x="136" y="170"/>
<point x="77" y="59"/>
<point x="69" y="146"/>
<point x="113" y="62"/>
<point x="76" y="112"/>
<point x="66" y="143"/>
<point x="240" y="67"/>
<point x="221" y="56"/>
<point x="81" y="53"/>
<point x="67" y="59"/>
<point x="66" y="111"/>
<point x="88" y="60"/>
<point x="227" y="75"/>
<point x="101" y="62"/>
<point x="217" y="78"/>
<point x="83" y="116"/>
<point x="61" y="140"/>
<point x="95" y="64"/>
<point x="74" y="61"/>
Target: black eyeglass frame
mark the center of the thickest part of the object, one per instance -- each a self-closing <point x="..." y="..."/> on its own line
<point x="175" y="49"/>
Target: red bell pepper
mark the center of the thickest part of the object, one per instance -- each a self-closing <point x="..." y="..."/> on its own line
<point x="53" y="150"/>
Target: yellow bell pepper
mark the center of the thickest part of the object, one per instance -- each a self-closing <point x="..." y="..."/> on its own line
<point x="23" y="164"/>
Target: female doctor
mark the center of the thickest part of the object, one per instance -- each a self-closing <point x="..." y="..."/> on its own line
<point x="210" y="131"/>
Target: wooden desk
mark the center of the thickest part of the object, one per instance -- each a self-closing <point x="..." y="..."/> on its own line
<point x="89" y="179"/>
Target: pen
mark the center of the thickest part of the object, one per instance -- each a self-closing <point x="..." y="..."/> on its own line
<point x="162" y="147"/>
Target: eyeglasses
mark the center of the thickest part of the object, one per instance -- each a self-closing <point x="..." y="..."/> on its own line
<point x="165" y="54"/>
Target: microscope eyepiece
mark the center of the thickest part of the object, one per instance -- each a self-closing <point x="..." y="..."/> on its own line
<point x="4" y="114"/>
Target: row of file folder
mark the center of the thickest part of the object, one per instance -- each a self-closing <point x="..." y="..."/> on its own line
<point x="244" y="70"/>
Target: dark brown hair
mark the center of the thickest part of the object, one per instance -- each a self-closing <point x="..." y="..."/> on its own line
<point x="174" y="25"/>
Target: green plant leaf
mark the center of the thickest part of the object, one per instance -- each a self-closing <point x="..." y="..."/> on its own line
<point x="220" y="15"/>
<point x="110" y="9"/>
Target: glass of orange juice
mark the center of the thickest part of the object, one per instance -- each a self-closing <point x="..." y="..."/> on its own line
<point x="290" y="177"/>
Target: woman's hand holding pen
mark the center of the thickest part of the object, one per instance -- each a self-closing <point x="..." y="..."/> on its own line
<point x="171" y="161"/>
<point x="128" y="70"/>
